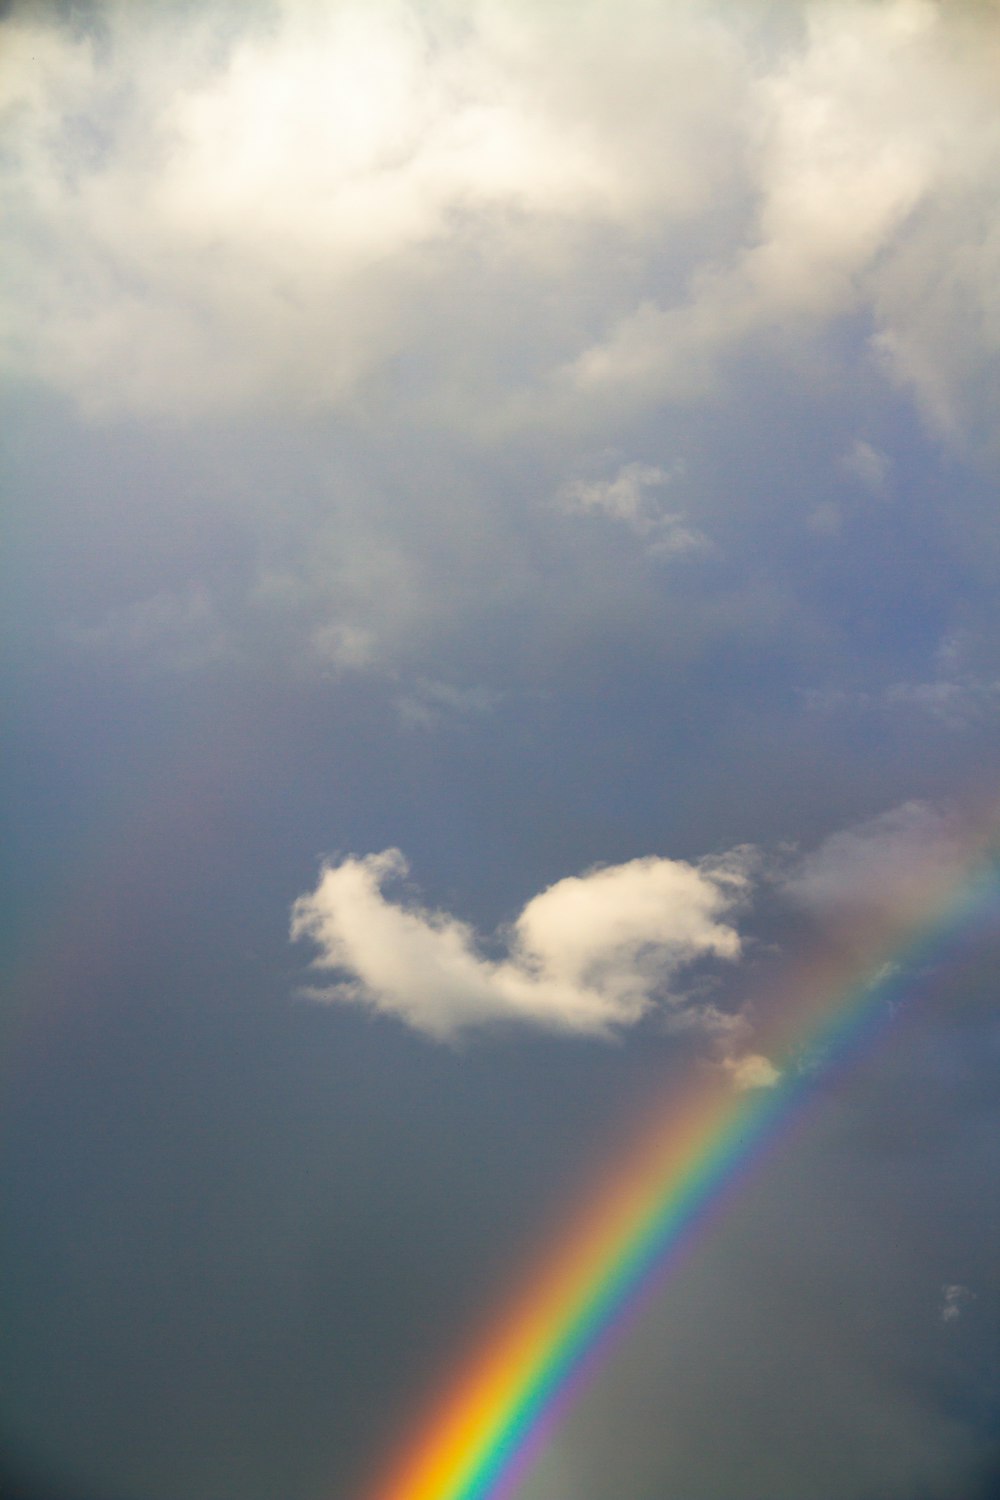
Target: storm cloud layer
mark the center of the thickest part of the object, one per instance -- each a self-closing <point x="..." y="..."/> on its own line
<point x="557" y="441"/>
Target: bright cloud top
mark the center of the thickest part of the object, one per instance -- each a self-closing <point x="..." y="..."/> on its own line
<point x="206" y="212"/>
<point x="590" y="954"/>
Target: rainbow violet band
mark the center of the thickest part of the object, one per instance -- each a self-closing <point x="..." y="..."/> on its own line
<point x="479" y="1440"/>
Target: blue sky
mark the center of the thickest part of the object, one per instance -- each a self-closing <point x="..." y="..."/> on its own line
<point x="556" y="443"/>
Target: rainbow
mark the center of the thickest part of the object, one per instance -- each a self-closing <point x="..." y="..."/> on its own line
<point x="480" y="1437"/>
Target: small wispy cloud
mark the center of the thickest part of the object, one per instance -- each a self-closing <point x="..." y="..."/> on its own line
<point x="166" y="632"/>
<point x="953" y="693"/>
<point x="634" y="498"/>
<point x="955" y="704"/>
<point x="955" y="1298"/>
<point x="430" y="701"/>
<point x="341" y="646"/>
<point x="868" y="465"/>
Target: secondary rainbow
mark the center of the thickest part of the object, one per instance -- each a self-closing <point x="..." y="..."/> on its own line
<point x="478" y="1440"/>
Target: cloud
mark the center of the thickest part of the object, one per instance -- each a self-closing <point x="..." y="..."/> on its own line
<point x="631" y="498"/>
<point x="954" y="1299"/>
<point x="276" y="206"/>
<point x="888" y="865"/>
<point x="341" y="647"/>
<point x="752" y="1071"/>
<point x="864" y="198"/>
<point x="590" y="954"/>
<point x="170" y="632"/>
<point x="839" y="165"/>
<point x="868" y="464"/>
<point x="431" y="701"/>
<point x="955" y="703"/>
<point x="955" y="694"/>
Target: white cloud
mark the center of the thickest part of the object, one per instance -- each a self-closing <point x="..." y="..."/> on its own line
<point x="632" y="497"/>
<point x="590" y="954"/>
<point x="875" y="147"/>
<point x="889" y="865"/>
<point x="208" y="213"/>
<point x="625" y="498"/>
<point x="752" y="1071"/>
<point x="840" y="163"/>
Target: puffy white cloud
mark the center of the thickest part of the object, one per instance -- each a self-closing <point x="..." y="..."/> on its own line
<point x="276" y="203"/>
<point x="875" y="145"/>
<point x="590" y="954"/>
<point x="209" y="210"/>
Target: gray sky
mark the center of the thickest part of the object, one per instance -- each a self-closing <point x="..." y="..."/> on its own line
<point x="501" y="566"/>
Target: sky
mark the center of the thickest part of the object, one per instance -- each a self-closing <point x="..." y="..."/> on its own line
<point x="501" y="570"/>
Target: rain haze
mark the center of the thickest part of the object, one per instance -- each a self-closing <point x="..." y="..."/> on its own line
<point x="501" y="589"/>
